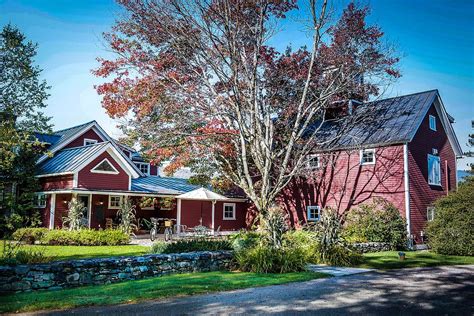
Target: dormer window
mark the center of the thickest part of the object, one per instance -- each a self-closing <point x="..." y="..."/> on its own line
<point x="105" y="167"/>
<point x="144" y="167"/>
<point x="88" y="141"/>
<point x="432" y="123"/>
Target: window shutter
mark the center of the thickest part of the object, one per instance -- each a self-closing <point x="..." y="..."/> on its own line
<point x="430" y="169"/>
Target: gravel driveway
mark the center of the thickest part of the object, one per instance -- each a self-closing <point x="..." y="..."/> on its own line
<point x="419" y="291"/>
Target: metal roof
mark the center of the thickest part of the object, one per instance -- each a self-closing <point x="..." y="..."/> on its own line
<point x="381" y="122"/>
<point x="47" y="138"/>
<point x="164" y="185"/>
<point x="67" y="160"/>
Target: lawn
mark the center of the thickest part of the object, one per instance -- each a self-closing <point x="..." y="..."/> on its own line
<point x="146" y="289"/>
<point x="55" y="253"/>
<point x="390" y="260"/>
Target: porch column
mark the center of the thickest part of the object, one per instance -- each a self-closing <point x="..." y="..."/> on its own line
<point x="213" y="211"/>
<point x="52" y="210"/>
<point x="178" y="215"/>
<point x="89" y="210"/>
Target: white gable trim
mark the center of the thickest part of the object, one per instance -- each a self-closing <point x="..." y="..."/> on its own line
<point x="116" y="156"/>
<point x="115" y="171"/>
<point x="99" y="131"/>
<point x="448" y="128"/>
<point x="443" y="117"/>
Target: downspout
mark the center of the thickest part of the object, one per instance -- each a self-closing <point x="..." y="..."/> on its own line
<point x="178" y="215"/>
<point x="447" y="176"/>
<point x="407" y="188"/>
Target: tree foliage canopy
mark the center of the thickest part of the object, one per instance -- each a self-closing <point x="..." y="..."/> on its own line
<point x="203" y="86"/>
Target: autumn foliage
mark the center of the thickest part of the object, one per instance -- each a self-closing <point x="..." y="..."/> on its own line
<point x="199" y="84"/>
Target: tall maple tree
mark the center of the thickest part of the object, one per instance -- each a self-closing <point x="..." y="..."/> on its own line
<point x="197" y="83"/>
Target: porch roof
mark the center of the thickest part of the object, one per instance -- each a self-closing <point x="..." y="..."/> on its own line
<point x="162" y="185"/>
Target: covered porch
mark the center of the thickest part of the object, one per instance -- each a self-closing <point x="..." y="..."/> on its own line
<point x="200" y="208"/>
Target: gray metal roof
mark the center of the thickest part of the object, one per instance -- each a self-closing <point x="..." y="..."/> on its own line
<point x="67" y="133"/>
<point x="381" y="122"/>
<point x="163" y="185"/>
<point x="47" y="138"/>
<point x="67" y="160"/>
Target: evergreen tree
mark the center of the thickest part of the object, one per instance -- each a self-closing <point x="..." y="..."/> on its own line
<point x="22" y="96"/>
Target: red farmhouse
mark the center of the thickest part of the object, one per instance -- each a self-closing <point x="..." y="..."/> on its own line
<point x="406" y="154"/>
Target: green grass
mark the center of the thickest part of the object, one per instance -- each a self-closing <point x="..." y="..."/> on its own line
<point x="146" y="289"/>
<point x="55" y="253"/>
<point x="390" y="260"/>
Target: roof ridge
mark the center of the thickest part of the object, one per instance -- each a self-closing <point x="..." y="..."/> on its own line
<point x="90" y="145"/>
<point x="69" y="128"/>
<point x="402" y="96"/>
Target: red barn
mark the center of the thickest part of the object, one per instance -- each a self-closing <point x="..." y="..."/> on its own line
<point x="405" y="154"/>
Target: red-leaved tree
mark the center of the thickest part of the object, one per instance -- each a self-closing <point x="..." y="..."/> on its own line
<point x="197" y="83"/>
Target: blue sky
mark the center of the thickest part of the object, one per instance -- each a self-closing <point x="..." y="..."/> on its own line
<point x="435" y="38"/>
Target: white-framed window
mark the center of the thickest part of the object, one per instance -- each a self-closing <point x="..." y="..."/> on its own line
<point x="430" y="213"/>
<point x="40" y="200"/>
<point x="229" y="211"/>
<point x="434" y="170"/>
<point x="432" y="122"/>
<point x="144" y="167"/>
<point x="313" y="212"/>
<point x="105" y="166"/>
<point x="88" y="141"/>
<point x="313" y="161"/>
<point x="114" y="201"/>
<point x="367" y="156"/>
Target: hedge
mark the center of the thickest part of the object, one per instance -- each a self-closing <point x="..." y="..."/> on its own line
<point x="83" y="237"/>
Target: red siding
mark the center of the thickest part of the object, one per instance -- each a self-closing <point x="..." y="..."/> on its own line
<point x="62" y="201"/>
<point x="57" y="182"/>
<point x="193" y="211"/>
<point x="79" y="140"/>
<point x="90" y="180"/>
<point x="423" y="195"/>
<point x="342" y="183"/>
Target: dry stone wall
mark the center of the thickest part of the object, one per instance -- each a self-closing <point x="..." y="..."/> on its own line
<point x="66" y="274"/>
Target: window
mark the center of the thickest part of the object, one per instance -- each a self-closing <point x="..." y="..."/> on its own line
<point x="313" y="213"/>
<point x="144" y="167"/>
<point x="229" y="211"/>
<point x="105" y="167"/>
<point x="367" y="157"/>
<point x="114" y="201"/>
<point x="40" y="200"/>
<point x="88" y="141"/>
<point x="430" y="213"/>
<point x="313" y="162"/>
<point x="432" y="123"/>
<point x="434" y="170"/>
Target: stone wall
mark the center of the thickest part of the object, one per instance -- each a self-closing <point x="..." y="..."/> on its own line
<point x="371" y="247"/>
<point x="66" y="274"/>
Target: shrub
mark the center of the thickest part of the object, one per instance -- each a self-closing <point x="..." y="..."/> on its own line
<point x="264" y="259"/>
<point x="377" y="222"/>
<point x="245" y="239"/>
<point x="190" y="245"/>
<point x="332" y="248"/>
<point x="86" y="237"/>
<point x="451" y="232"/>
<point x="307" y="241"/>
<point x="29" y="235"/>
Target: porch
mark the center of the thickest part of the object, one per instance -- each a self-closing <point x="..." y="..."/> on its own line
<point x="101" y="210"/>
